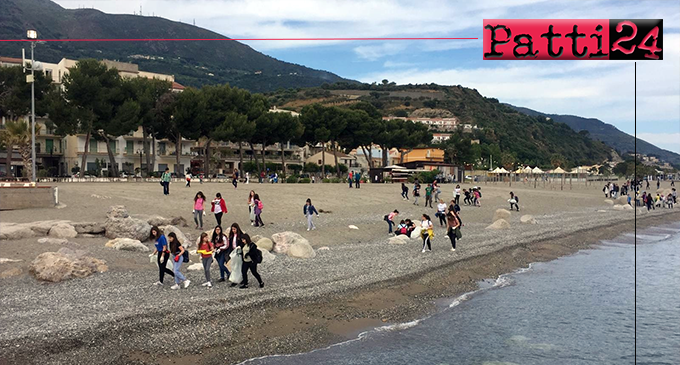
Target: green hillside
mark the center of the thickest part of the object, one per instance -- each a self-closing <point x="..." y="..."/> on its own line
<point x="531" y="140"/>
<point x="191" y="62"/>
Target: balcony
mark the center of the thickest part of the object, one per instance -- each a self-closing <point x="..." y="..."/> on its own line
<point x="42" y="151"/>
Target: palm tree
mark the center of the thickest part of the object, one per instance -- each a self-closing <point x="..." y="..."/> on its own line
<point x="18" y="134"/>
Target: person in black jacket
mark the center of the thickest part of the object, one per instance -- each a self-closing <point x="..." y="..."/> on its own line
<point x="308" y="210"/>
<point x="514" y="200"/>
<point x="251" y="257"/>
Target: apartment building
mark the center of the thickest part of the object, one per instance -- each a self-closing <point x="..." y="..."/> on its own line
<point x="438" y="124"/>
<point x="60" y="155"/>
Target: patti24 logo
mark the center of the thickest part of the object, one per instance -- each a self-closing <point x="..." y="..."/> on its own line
<point x="573" y="39"/>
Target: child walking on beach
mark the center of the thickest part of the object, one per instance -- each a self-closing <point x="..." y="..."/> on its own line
<point x="404" y="191"/>
<point x="456" y="194"/>
<point x="416" y="192"/>
<point x="219" y="207"/>
<point x="258" y="211"/>
<point x="453" y="225"/>
<point x="390" y="220"/>
<point x="199" y="200"/>
<point x="251" y="206"/>
<point x="251" y="257"/>
<point x="428" y="195"/>
<point x="222" y="251"/>
<point x="177" y="251"/>
<point x="514" y="200"/>
<point x="441" y="212"/>
<point x="205" y="249"/>
<point x="308" y="210"/>
<point x="427" y="232"/>
<point x="162" y="252"/>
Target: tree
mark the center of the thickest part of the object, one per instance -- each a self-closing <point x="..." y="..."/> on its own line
<point x="86" y="101"/>
<point x="287" y="128"/>
<point x="217" y="104"/>
<point x="557" y="160"/>
<point x="18" y="133"/>
<point x="253" y="106"/>
<point x="508" y="160"/>
<point x="147" y="93"/>
<point x="315" y="129"/>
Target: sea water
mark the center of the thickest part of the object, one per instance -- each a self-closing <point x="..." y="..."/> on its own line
<point x="574" y="310"/>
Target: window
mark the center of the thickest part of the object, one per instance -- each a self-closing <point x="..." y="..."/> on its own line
<point x="93" y="146"/>
<point x="162" y="166"/>
<point x="161" y="148"/>
<point x="91" y="166"/>
<point x="129" y="147"/>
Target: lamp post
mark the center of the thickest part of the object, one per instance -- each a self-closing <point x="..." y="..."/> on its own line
<point x="33" y="36"/>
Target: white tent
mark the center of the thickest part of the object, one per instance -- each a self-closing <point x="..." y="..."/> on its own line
<point x="503" y="171"/>
<point x="558" y="170"/>
<point x="527" y="170"/>
<point x="536" y="170"/>
<point x="519" y="171"/>
<point x="496" y="171"/>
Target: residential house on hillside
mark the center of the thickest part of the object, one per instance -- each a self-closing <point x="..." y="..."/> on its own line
<point x="345" y="159"/>
<point x="438" y="124"/>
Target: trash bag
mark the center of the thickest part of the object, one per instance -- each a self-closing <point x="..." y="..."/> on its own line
<point x="236" y="263"/>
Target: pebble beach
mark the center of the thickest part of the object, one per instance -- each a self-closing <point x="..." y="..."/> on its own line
<point x="356" y="281"/>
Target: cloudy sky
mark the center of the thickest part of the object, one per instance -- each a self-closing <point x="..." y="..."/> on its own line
<point x="598" y="89"/>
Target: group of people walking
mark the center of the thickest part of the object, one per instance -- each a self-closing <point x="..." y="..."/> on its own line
<point x="236" y="246"/>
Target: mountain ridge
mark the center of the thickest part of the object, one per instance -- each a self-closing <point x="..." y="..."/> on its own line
<point x="194" y="63"/>
<point x="620" y="141"/>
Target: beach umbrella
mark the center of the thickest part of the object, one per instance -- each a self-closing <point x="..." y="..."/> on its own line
<point x="519" y="171"/>
<point x="536" y="170"/>
<point x="558" y="170"/>
<point x="503" y="171"/>
<point x="527" y="170"/>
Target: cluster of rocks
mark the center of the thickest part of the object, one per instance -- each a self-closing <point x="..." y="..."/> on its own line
<point x="502" y="216"/>
<point x="61" y="229"/>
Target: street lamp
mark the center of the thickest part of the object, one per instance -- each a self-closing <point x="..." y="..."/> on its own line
<point x="33" y="36"/>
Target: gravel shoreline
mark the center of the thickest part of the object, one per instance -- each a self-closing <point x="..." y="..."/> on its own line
<point x="118" y="317"/>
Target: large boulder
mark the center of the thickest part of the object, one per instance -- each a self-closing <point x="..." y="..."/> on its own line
<point x="42" y="228"/>
<point x="127" y="244"/>
<point x="265" y="244"/>
<point x="618" y="207"/>
<point x="117" y="211"/>
<point x="501" y="214"/>
<point x="301" y="250"/>
<point x="415" y="234"/>
<point x="628" y="207"/>
<point x="12" y="231"/>
<point x="63" y="230"/>
<point x="161" y="221"/>
<point x="53" y="241"/>
<point x="64" y="265"/>
<point x="10" y="273"/>
<point x="127" y="228"/>
<point x="256" y="238"/>
<point x="499" y="224"/>
<point x="267" y="256"/>
<point x="398" y="240"/>
<point x="623" y="200"/>
<point x="89" y="227"/>
<point x="180" y="236"/>
<point x="283" y="241"/>
<point x="610" y="202"/>
<point x="527" y="219"/>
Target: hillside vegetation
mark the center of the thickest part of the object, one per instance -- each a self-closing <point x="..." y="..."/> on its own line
<point x="524" y="139"/>
<point x="193" y="63"/>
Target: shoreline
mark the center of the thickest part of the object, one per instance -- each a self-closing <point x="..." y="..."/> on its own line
<point x="345" y="316"/>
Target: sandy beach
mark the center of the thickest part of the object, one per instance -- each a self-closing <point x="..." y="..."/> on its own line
<point x="359" y="282"/>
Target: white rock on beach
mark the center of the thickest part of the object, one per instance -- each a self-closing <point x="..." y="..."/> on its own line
<point x="628" y="207"/>
<point x="351" y="226"/>
<point x="618" y="207"/>
<point x="11" y="231"/>
<point x="267" y="256"/>
<point x="127" y="244"/>
<point x="43" y="227"/>
<point x="623" y="200"/>
<point x="195" y="267"/>
<point x="499" y="224"/>
<point x="65" y="264"/>
<point x="415" y="234"/>
<point x="4" y="260"/>
<point x="127" y="228"/>
<point x="501" y="214"/>
<point x="264" y="244"/>
<point x="88" y="227"/>
<point x="180" y="236"/>
<point x="53" y="241"/>
<point x="324" y="248"/>
<point x="301" y="250"/>
<point x="527" y="219"/>
<point x="63" y="230"/>
<point x="117" y="211"/>
<point x="398" y="240"/>
<point x="610" y="202"/>
<point x="283" y="241"/>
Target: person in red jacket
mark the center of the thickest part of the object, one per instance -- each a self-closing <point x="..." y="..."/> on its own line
<point x="219" y="207"/>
